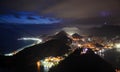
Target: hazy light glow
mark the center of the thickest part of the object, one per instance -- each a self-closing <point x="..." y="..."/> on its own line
<point x="9" y="54"/>
<point x="105" y="13"/>
<point x="24" y="19"/>
<point x="38" y="66"/>
<point x="71" y="30"/>
<point x="38" y="40"/>
<point x="79" y="45"/>
<point x="117" y="46"/>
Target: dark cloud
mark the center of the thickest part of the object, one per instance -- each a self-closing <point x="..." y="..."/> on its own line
<point x="70" y="9"/>
<point x="84" y="8"/>
<point x="28" y="5"/>
<point x="20" y="4"/>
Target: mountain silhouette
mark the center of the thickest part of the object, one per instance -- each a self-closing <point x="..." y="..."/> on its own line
<point x="25" y="60"/>
<point x="88" y="62"/>
<point x="76" y="35"/>
<point x="63" y="36"/>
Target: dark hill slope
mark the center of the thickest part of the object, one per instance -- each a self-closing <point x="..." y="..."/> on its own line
<point x="26" y="59"/>
<point x="88" y="62"/>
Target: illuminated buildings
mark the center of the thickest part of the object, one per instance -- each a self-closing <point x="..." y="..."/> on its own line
<point x="49" y="62"/>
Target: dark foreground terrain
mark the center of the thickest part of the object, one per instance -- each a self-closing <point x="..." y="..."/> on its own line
<point x="25" y="60"/>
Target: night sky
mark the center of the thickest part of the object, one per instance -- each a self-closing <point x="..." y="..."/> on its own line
<point x="57" y="11"/>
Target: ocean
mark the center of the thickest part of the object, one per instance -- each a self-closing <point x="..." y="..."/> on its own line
<point x="10" y="33"/>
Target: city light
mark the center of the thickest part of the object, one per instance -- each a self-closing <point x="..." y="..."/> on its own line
<point x="84" y="51"/>
<point x="79" y="45"/>
<point x="117" y="46"/>
<point x="38" y="40"/>
<point x="71" y="30"/>
<point x="38" y="66"/>
<point x="49" y="62"/>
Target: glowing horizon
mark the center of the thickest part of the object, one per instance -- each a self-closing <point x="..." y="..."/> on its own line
<point x="27" y="19"/>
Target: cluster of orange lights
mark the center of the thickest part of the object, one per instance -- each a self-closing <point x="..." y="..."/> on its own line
<point x="53" y="59"/>
<point x="117" y="70"/>
<point x="90" y="44"/>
